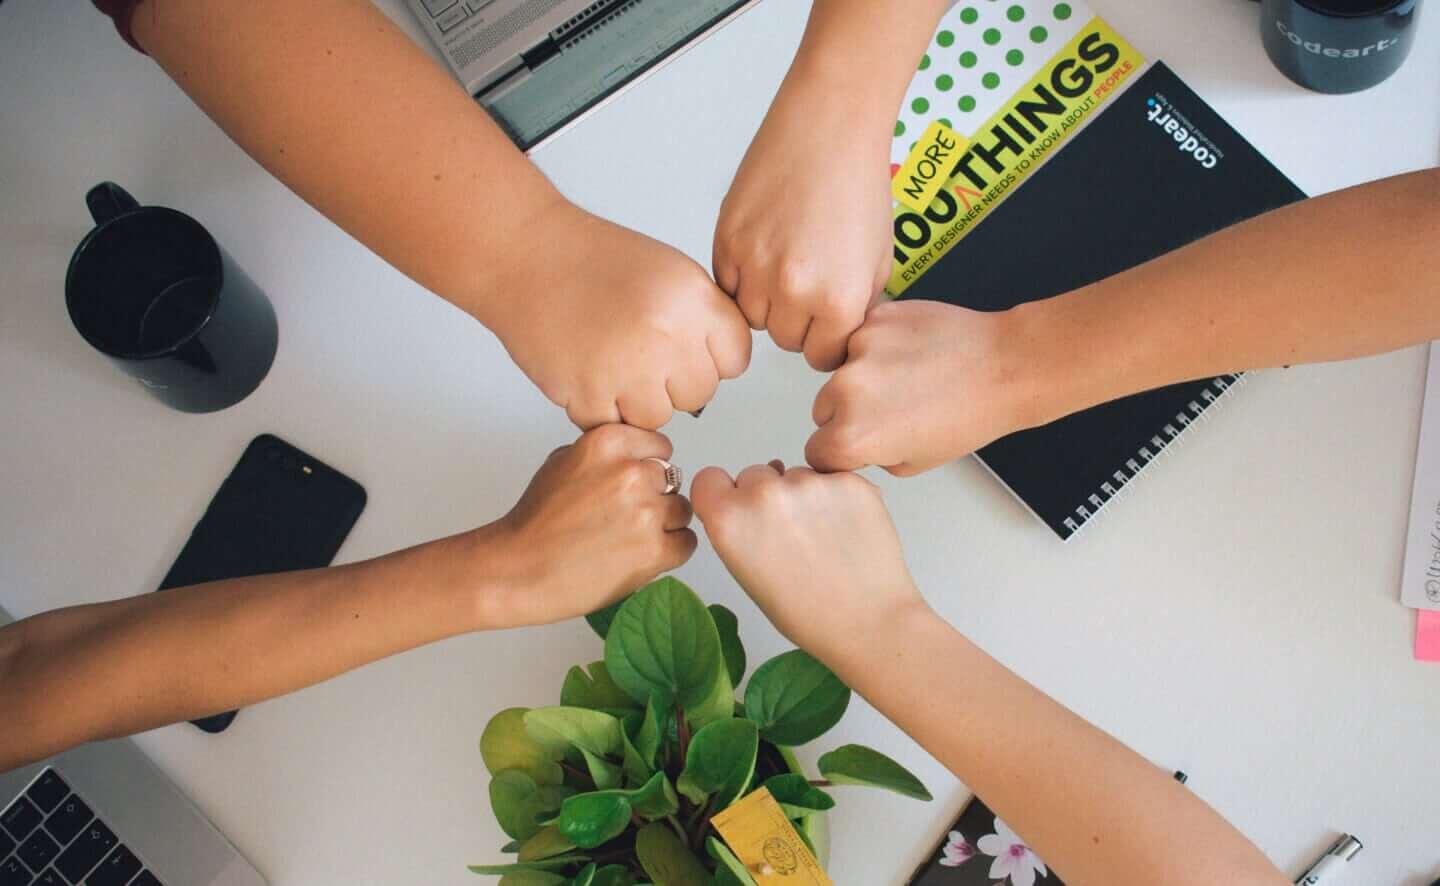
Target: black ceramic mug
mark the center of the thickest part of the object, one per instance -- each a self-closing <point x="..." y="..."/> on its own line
<point x="149" y="288"/>
<point x="1338" y="45"/>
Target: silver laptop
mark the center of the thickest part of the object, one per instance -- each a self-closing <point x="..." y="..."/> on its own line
<point x="103" y="815"/>
<point x="539" y="66"/>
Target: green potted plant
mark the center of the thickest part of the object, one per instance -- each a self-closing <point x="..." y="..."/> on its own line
<point x="617" y="784"/>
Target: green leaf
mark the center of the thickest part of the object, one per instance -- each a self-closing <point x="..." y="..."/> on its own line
<point x="655" y="799"/>
<point x="506" y="745"/>
<point x="664" y="640"/>
<point x="600" y="619"/>
<point x="797" y="796"/>
<point x="652" y="730"/>
<point x="586" y="877"/>
<point x="728" y="627"/>
<point x="512" y="847"/>
<point x="666" y="860"/>
<point x="589" y="820"/>
<point x="857" y="764"/>
<point x="719" y="706"/>
<point x="721" y="761"/>
<point x="613" y="875"/>
<point x="533" y="878"/>
<point x="637" y="771"/>
<point x="605" y="774"/>
<point x="548" y="843"/>
<point x="559" y="728"/>
<point x="549" y="864"/>
<point x="729" y="864"/>
<point x="594" y="690"/>
<point x="519" y="802"/>
<point x="795" y="698"/>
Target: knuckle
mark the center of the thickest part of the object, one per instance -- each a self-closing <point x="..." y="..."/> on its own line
<point x="606" y="439"/>
<point x="795" y="281"/>
<point x="631" y="475"/>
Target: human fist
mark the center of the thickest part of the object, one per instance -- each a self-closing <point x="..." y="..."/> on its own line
<point x="592" y="527"/>
<point x="803" y="239"/>
<point x="616" y="327"/>
<point x="925" y="383"/>
<point x="817" y="552"/>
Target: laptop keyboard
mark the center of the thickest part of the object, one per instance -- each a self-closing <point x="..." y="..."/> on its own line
<point x="50" y="837"/>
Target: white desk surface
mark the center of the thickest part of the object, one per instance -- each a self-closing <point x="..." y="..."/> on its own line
<point x="1236" y="616"/>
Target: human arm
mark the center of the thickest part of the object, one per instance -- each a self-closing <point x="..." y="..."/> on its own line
<point x="820" y="556"/>
<point x="592" y="527"/>
<point x="1344" y="275"/>
<point x="803" y="238"/>
<point x="342" y="107"/>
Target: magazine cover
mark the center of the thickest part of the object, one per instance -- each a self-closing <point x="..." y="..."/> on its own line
<point x="1002" y="87"/>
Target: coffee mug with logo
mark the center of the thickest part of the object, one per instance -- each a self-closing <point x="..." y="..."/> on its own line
<point x="1338" y="45"/>
<point x="149" y="288"/>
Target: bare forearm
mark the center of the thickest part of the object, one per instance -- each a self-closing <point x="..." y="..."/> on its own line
<point x="863" y="53"/>
<point x="873" y="47"/>
<point x="108" y="669"/>
<point x="339" y="104"/>
<point x="1036" y="763"/>
<point x="1344" y="275"/>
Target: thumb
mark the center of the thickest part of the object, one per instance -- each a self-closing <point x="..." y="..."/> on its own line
<point x="727" y="336"/>
<point x="833" y="448"/>
<point x="708" y="490"/>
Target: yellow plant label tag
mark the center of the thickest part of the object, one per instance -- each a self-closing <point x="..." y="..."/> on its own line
<point x="928" y="167"/>
<point x="765" y="841"/>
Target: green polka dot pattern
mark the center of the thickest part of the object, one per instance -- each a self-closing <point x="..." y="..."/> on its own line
<point x="982" y="51"/>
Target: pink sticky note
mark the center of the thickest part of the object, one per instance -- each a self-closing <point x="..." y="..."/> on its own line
<point x="1427" y="635"/>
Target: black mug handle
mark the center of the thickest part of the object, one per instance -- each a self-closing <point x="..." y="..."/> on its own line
<point x="107" y="200"/>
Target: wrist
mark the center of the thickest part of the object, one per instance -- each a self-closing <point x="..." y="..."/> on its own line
<point x="485" y="575"/>
<point x="1069" y="354"/>
<point x="494" y="290"/>
<point x="853" y="660"/>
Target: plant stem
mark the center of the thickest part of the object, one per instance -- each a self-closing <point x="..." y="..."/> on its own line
<point x="577" y="772"/>
<point x="682" y="731"/>
<point x="821" y="783"/>
<point x="702" y="812"/>
<point x="679" y="831"/>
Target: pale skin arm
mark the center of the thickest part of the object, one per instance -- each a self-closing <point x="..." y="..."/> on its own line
<point x="592" y="527"/>
<point x="1089" y="806"/>
<point x="1345" y="275"/>
<point x="344" y="109"/>
<point x="803" y="238"/>
<point x="821" y="557"/>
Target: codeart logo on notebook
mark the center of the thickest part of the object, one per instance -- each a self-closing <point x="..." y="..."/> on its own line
<point x="1187" y="136"/>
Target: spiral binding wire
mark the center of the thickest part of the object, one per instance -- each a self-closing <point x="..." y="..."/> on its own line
<point x="1123" y="479"/>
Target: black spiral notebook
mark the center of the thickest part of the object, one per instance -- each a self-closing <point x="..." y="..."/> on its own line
<point x="1124" y="190"/>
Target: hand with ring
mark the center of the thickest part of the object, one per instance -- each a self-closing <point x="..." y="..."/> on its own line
<point x="602" y="517"/>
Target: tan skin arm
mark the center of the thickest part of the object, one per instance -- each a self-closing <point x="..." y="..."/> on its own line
<point x="1345" y="275"/>
<point x="343" y="108"/>
<point x="592" y="526"/>
<point x="820" y="555"/>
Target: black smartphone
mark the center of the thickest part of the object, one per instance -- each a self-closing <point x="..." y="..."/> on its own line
<point x="280" y="510"/>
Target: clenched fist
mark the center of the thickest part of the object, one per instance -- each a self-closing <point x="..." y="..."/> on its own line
<point x="613" y="326"/>
<point x="803" y="240"/>
<point x="817" y="552"/>
<point x="925" y="384"/>
<point x="592" y="527"/>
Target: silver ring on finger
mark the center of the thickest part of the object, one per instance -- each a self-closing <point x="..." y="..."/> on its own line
<point x="674" y="477"/>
